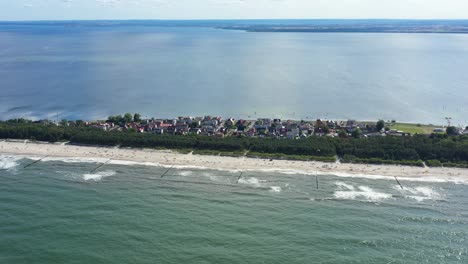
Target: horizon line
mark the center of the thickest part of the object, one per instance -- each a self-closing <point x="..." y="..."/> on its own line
<point x="238" y="19"/>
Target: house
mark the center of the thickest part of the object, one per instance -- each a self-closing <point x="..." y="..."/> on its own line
<point x="211" y="122"/>
<point x="230" y="122"/>
<point x="265" y="121"/>
<point x="251" y="132"/>
<point x="196" y="131"/>
<point x="165" y="126"/>
<point x="158" y="130"/>
<point x="182" y="127"/>
<point x="209" y="129"/>
<point x="351" y="124"/>
<point x="171" y="130"/>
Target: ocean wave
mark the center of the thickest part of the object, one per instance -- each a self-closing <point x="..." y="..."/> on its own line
<point x="98" y="176"/>
<point x="9" y="162"/>
<point x="420" y="193"/>
<point x="451" y="179"/>
<point x="362" y="192"/>
<point x="275" y="189"/>
<point x="184" y="173"/>
<point x="74" y="159"/>
<point x="342" y="185"/>
<point x="252" y="181"/>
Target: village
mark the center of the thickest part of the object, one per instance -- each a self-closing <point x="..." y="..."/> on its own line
<point x="216" y="126"/>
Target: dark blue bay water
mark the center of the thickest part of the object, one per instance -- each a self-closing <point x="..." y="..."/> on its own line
<point x="93" y="71"/>
<point x="56" y="212"/>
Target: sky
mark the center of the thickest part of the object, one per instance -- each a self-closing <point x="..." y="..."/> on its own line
<point x="230" y="9"/>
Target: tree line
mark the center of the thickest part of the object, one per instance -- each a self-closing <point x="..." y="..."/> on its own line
<point x="435" y="150"/>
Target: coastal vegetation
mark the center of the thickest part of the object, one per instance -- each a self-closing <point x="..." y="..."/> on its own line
<point x="433" y="150"/>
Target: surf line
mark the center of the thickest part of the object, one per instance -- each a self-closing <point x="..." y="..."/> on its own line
<point x="34" y="162"/>
<point x="398" y="182"/>
<point x="100" y="166"/>
<point x="164" y="174"/>
<point x="240" y="176"/>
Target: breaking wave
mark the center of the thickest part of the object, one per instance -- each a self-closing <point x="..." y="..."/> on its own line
<point x="362" y="192"/>
<point x="420" y="193"/>
<point x="252" y="181"/>
<point x="275" y="189"/>
<point x="8" y="162"/>
<point x="98" y="176"/>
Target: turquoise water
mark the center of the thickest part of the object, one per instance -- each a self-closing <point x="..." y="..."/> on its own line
<point x="57" y="212"/>
<point x="89" y="72"/>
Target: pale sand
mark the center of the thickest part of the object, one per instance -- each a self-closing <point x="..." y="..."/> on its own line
<point x="171" y="158"/>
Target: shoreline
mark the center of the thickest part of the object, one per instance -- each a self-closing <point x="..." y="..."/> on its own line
<point x="175" y="159"/>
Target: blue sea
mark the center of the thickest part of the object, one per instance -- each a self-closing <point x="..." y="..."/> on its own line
<point x="90" y="70"/>
<point x="58" y="211"/>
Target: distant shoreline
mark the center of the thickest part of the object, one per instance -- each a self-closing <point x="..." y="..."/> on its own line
<point x="171" y="158"/>
<point x="409" y="26"/>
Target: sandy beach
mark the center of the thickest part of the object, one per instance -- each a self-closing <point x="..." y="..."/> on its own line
<point x="172" y="158"/>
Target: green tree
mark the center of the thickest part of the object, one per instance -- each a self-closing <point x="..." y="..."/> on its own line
<point x="137" y="117"/>
<point x="80" y="122"/>
<point x="452" y="131"/>
<point x="128" y="118"/>
<point x="343" y="133"/>
<point x="64" y="122"/>
<point x="119" y="119"/>
<point x="380" y="125"/>
<point x="112" y="119"/>
<point x="357" y="133"/>
<point x="194" y="124"/>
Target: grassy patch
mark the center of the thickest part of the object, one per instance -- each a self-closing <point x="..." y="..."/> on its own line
<point x="413" y="128"/>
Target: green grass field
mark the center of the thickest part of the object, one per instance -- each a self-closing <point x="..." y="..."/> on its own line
<point x="413" y="128"/>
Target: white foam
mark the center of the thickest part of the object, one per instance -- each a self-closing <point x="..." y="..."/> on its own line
<point x="8" y="162"/>
<point x="275" y="189"/>
<point x="185" y="173"/>
<point x="75" y="159"/>
<point x="452" y="179"/>
<point x="98" y="176"/>
<point x="420" y="193"/>
<point x="363" y="192"/>
<point x="342" y="185"/>
<point x="250" y="181"/>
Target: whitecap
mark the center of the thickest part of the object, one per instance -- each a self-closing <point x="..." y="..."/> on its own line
<point x="76" y="159"/>
<point x="420" y="193"/>
<point x="250" y="181"/>
<point x="275" y="189"/>
<point x="363" y="192"/>
<point x="98" y="176"/>
<point x="343" y="185"/>
<point x="8" y="162"/>
<point x="185" y="173"/>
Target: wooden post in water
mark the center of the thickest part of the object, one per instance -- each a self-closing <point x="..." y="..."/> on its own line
<point x="316" y="181"/>
<point x="401" y="186"/>
<point x="240" y="176"/>
<point x="34" y="162"/>
<point x="100" y="166"/>
<point x="164" y="174"/>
